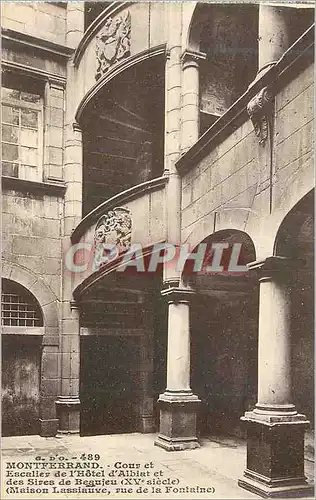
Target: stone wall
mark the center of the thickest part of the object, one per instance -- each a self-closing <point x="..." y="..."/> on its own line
<point x="31" y="234"/>
<point x="46" y="20"/>
<point x="233" y="186"/>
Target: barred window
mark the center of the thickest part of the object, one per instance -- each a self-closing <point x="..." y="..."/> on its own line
<point x="18" y="306"/>
<point x="21" y="134"/>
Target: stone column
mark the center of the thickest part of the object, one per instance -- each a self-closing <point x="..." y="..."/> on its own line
<point x="75" y="23"/>
<point x="275" y="430"/>
<point x="275" y="25"/>
<point x="68" y="403"/>
<point x="190" y="123"/>
<point x="177" y="408"/>
<point x="178" y="403"/>
<point x="147" y="421"/>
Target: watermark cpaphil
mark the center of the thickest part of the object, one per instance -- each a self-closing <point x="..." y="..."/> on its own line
<point x="214" y="258"/>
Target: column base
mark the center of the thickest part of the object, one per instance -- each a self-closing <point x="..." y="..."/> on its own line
<point x="178" y="412"/>
<point x="289" y="491"/>
<point x="48" y="428"/>
<point x="275" y="455"/>
<point x="68" y="412"/>
<point x="147" y="424"/>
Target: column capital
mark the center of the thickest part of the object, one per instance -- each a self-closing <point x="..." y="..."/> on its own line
<point x="76" y="127"/>
<point x="192" y="57"/>
<point x="74" y="306"/>
<point x="274" y="265"/>
<point x="178" y="295"/>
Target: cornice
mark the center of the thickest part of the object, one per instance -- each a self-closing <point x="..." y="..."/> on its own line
<point x="39" y="44"/>
<point x="124" y="197"/>
<point x="96" y="25"/>
<point x="276" y="75"/>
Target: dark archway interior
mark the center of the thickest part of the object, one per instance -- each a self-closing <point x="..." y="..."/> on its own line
<point x="224" y="341"/>
<point x="21" y="365"/>
<point x="123" y="352"/>
<point x="228" y="34"/>
<point x="123" y="133"/>
<point x="296" y="240"/>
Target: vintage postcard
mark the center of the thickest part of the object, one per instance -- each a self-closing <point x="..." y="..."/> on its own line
<point x="157" y="311"/>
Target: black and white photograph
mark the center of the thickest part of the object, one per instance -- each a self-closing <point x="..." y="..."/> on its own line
<point x="157" y="230"/>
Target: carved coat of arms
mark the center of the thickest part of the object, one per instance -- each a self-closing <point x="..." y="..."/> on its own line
<point x="113" y="43"/>
<point x="115" y="227"/>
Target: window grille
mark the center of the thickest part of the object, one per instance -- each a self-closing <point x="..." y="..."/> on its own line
<point x="18" y="306"/>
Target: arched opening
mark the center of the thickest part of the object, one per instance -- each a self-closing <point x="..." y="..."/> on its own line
<point x="123" y="343"/>
<point x="295" y="239"/>
<point x="123" y="128"/>
<point x="228" y="34"/>
<point x="22" y="322"/>
<point x="224" y="336"/>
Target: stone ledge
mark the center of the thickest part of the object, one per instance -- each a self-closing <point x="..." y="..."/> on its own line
<point x="16" y="184"/>
<point x="12" y="36"/>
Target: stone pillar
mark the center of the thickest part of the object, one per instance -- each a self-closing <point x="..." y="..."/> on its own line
<point x="275" y="25"/>
<point x="172" y="133"/>
<point x="275" y="430"/>
<point x="178" y="404"/>
<point x="147" y="421"/>
<point x="190" y="126"/>
<point x="75" y="23"/>
<point x="177" y="408"/>
<point x="68" y="403"/>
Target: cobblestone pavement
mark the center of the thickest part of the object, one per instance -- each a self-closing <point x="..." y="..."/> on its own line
<point x="216" y="466"/>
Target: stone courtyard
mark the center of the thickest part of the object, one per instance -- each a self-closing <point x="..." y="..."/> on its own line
<point x="215" y="466"/>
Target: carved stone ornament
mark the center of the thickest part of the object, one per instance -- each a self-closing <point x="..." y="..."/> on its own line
<point x="259" y="110"/>
<point x="114" y="227"/>
<point x="113" y="42"/>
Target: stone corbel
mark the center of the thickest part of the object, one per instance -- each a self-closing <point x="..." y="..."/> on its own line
<point x="259" y="110"/>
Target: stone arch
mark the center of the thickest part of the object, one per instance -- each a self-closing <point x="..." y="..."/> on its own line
<point x="226" y="219"/>
<point x="192" y="29"/>
<point x="301" y="213"/>
<point x="45" y="297"/>
<point x="295" y="240"/>
<point x="49" y="345"/>
<point x="224" y="337"/>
